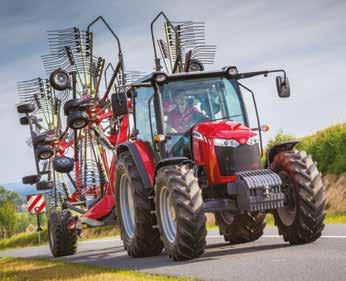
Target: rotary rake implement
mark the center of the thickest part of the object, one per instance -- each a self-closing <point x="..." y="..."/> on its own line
<point x="74" y="133"/>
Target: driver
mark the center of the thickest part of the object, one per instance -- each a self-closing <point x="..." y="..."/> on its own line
<point x="181" y="118"/>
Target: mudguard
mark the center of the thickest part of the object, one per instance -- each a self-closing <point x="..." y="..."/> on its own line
<point x="171" y="161"/>
<point x="143" y="158"/>
<point x="277" y="148"/>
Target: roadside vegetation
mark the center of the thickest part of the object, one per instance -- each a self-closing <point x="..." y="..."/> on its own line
<point x="16" y="269"/>
<point x="327" y="147"/>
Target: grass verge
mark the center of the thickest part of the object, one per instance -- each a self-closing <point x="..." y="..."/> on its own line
<point x="31" y="239"/>
<point x="13" y="269"/>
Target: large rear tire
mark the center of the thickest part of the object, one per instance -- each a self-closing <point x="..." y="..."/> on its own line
<point x="62" y="239"/>
<point x="301" y="221"/>
<point x="134" y="211"/>
<point x="242" y="228"/>
<point x="179" y="211"/>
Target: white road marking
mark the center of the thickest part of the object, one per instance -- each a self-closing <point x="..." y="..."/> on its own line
<point x="277" y="236"/>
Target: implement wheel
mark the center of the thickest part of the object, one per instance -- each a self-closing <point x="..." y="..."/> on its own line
<point x="179" y="211"/>
<point x="62" y="239"/>
<point x="242" y="228"/>
<point x="134" y="210"/>
<point x="301" y="220"/>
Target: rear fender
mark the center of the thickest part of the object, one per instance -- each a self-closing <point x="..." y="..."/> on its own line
<point x="144" y="160"/>
<point x="277" y="148"/>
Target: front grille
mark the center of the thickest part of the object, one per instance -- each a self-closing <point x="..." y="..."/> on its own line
<point x="236" y="159"/>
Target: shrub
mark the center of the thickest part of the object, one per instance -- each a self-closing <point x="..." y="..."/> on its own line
<point x="327" y="147"/>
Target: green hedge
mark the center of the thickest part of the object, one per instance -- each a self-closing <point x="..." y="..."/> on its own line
<point x="327" y="147"/>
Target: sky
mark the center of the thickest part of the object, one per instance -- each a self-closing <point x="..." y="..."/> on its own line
<point x="306" y="38"/>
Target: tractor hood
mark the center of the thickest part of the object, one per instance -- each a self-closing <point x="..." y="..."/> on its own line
<point x="224" y="129"/>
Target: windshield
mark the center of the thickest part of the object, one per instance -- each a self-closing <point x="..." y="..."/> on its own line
<point x="187" y="102"/>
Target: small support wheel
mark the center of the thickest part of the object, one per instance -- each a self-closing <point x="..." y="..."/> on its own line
<point x="44" y="152"/>
<point x="44" y="185"/>
<point x="63" y="164"/>
<point x="24" y="120"/>
<point x="32" y="179"/>
<point x="77" y="120"/>
<point x="25" y="108"/>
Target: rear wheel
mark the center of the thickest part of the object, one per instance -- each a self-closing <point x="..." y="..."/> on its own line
<point x="240" y="228"/>
<point x="62" y="239"/>
<point x="301" y="220"/>
<point x="179" y="211"/>
<point x="134" y="209"/>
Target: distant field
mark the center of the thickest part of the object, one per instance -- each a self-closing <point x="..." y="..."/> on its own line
<point x="38" y="269"/>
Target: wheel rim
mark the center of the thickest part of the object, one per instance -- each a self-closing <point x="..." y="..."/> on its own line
<point x="127" y="206"/>
<point x="288" y="213"/>
<point x="167" y="214"/>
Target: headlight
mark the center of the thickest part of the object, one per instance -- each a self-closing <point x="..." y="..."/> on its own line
<point x="252" y="140"/>
<point x="222" y="142"/>
<point x="232" y="71"/>
<point x="160" y="77"/>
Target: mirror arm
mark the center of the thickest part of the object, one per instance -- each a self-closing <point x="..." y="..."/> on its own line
<point x="256" y="73"/>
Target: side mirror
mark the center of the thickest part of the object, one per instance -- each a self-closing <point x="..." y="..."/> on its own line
<point x="119" y="104"/>
<point x="283" y="87"/>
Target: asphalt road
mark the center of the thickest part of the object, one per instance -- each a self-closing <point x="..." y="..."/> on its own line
<point x="268" y="258"/>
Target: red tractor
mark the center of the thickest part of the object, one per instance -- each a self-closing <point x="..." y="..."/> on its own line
<point x="161" y="151"/>
<point x="191" y="150"/>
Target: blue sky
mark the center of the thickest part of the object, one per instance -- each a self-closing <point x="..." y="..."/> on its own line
<point x="304" y="37"/>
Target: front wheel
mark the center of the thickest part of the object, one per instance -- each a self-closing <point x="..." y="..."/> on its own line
<point x="179" y="211"/>
<point x="241" y="228"/>
<point x="301" y="220"/>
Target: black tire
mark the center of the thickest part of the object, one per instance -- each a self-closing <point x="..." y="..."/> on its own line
<point x="44" y="185"/>
<point x="195" y="65"/>
<point x="242" y="228"/>
<point x="62" y="240"/>
<point x="77" y="119"/>
<point x="56" y="83"/>
<point x="44" y="152"/>
<point x="63" y="164"/>
<point x="25" y="108"/>
<point x="145" y="240"/>
<point x="190" y="221"/>
<point x="24" y="120"/>
<point x="72" y="104"/>
<point x="301" y="221"/>
<point x="31" y="179"/>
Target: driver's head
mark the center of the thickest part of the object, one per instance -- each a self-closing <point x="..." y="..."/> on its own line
<point x="181" y="101"/>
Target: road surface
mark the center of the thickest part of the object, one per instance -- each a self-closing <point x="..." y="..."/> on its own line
<point x="268" y="258"/>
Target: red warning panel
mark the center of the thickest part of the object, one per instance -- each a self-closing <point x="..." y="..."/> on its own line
<point x="36" y="204"/>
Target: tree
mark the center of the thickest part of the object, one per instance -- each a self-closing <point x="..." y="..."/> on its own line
<point x="6" y="195"/>
<point x="8" y="207"/>
<point x="7" y="219"/>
